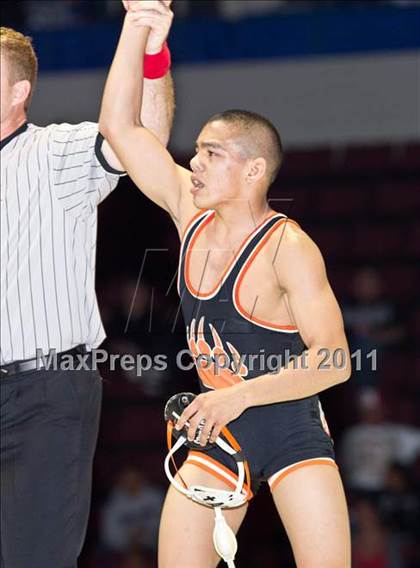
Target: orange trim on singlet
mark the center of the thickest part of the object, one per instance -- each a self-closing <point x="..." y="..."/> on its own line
<point x="210" y="470"/>
<point x="242" y="273"/>
<point x="191" y="221"/>
<point x="199" y="229"/>
<point x="235" y="445"/>
<point x="315" y="461"/>
<point x="231" y="439"/>
<point x="169" y="431"/>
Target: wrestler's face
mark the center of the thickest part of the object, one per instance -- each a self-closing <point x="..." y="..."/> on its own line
<point x="219" y="167"/>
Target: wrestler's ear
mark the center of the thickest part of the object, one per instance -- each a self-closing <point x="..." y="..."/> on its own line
<point x="257" y="168"/>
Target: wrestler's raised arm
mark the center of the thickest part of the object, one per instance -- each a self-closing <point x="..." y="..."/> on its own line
<point x="146" y="160"/>
<point x="158" y="104"/>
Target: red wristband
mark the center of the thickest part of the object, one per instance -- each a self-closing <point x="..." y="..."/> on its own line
<point x="158" y="64"/>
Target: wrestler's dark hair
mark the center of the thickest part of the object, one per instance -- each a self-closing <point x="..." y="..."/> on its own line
<point x="261" y="137"/>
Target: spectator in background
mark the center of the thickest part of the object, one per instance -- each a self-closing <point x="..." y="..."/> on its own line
<point x="369" y="447"/>
<point x="372" y="317"/>
<point x="134" y="309"/>
<point x="399" y="504"/>
<point x="149" y="370"/>
<point x="372" y="545"/>
<point x="130" y="518"/>
<point x="133" y="324"/>
<point x="371" y="322"/>
<point x="139" y="311"/>
<point x="415" y="474"/>
<point x="235" y="9"/>
<point x="46" y="15"/>
<point x="136" y="559"/>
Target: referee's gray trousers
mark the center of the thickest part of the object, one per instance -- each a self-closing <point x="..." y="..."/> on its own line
<point x="49" y="427"/>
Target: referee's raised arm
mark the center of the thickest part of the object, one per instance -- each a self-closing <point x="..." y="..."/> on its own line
<point x="52" y="179"/>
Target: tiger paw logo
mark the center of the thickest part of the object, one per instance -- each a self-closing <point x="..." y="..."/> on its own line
<point x="216" y="367"/>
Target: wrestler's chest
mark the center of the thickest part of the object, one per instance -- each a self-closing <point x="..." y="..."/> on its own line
<point x="209" y="269"/>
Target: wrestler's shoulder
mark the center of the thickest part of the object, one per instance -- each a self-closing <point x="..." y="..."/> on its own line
<point x="290" y="234"/>
<point x="289" y="242"/>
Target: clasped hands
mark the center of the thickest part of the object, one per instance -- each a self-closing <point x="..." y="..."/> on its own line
<point x="155" y="14"/>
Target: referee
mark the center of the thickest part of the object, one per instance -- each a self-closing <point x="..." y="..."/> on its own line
<point x="52" y="179"/>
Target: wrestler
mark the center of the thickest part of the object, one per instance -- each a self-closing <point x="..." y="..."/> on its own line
<point x="251" y="281"/>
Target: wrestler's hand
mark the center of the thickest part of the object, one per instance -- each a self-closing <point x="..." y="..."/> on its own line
<point x="155" y="14"/>
<point x="217" y="408"/>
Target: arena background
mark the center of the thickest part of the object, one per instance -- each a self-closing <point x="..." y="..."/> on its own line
<point x="341" y="82"/>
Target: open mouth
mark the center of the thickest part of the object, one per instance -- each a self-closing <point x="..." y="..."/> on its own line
<point x="197" y="184"/>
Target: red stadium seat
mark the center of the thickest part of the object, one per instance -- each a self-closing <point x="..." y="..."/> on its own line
<point x="368" y="159"/>
<point x="306" y="163"/>
<point x="332" y="241"/>
<point x="136" y="424"/>
<point x="342" y="201"/>
<point x="340" y="278"/>
<point x="292" y="200"/>
<point x="397" y="198"/>
<point x="409" y="157"/>
<point x="377" y="241"/>
<point x="401" y="280"/>
<point x="110" y="461"/>
<point x="413" y="241"/>
<point x="117" y="386"/>
<point x="415" y="330"/>
<point x="396" y="365"/>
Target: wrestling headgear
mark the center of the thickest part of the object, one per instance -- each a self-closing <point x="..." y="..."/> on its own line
<point x="223" y="537"/>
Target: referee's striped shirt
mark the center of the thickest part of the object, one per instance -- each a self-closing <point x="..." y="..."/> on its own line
<point x="52" y="180"/>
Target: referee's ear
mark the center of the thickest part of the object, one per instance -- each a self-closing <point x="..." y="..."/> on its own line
<point x="21" y="92"/>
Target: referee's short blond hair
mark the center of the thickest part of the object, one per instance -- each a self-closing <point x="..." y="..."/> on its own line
<point x="21" y="57"/>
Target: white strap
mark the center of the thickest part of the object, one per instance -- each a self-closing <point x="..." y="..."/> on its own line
<point x="205" y="495"/>
<point x="224" y="539"/>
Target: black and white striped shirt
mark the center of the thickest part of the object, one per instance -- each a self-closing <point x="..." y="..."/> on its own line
<point x="52" y="180"/>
